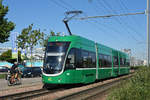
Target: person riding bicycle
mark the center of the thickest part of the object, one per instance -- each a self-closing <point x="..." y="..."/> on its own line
<point x="14" y="72"/>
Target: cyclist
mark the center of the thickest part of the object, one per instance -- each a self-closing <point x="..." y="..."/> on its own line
<point x="14" y="72"/>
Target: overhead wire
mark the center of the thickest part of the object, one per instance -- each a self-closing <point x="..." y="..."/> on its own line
<point x="109" y="8"/>
<point x="95" y="25"/>
<point x="133" y="17"/>
<point x="100" y="28"/>
<point x="123" y="7"/>
<point x="59" y="4"/>
<point x="65" y="5"/>
<point x="131" y="35"/>
<point x="120" y="20"/>
<point x="107" y="26"/>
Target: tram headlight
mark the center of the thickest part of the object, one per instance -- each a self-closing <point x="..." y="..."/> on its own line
<point x="59" y="79"/>
<point x="59" y="59"/>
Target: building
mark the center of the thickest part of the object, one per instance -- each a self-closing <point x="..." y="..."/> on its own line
<point x="136" y="62"/>
<point x="38" y="53"/>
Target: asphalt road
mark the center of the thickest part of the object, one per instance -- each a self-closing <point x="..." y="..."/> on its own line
<point x="25" y="82"/>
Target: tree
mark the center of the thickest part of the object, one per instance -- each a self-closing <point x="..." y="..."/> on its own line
<point x="7" y="56"/>
<point x="52" y="33"/>
<point x="44" y="40"/>
<point x="58" y="34"/>
<point x="23" y="38"/>
<point x="45" y="37"/>
<point x="5" y="25"/>
<point x="29" y="38"/>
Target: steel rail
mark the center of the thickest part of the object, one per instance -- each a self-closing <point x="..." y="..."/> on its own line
<point x="41" y="92"/>
<point x="29" y="94"/>
<point x="89" y="93"/>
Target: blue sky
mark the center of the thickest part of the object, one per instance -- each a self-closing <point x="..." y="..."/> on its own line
<point x="116" y="32"/>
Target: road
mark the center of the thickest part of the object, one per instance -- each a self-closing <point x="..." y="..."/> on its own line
<point x="25" y="82"/>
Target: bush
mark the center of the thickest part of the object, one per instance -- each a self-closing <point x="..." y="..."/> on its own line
<point x="135" y="67"/>
<point x="136" y="88"/>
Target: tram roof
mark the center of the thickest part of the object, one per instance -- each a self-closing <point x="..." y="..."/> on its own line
<point x="79" y="38"/>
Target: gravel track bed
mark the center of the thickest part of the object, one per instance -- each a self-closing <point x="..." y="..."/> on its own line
<point x="56" y="95"/>
<point x="20" y="89"/>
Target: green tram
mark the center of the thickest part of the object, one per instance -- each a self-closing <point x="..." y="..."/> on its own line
<point x="74" y="59"/>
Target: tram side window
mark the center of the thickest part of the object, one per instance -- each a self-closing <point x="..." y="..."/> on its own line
<point x="101" y="60"/>
<point x="115" y="61"/>
<point x="89" y="60"/>
<point x="92" y="60"/>
<point x="78" y="58"/>
<point x="109" y="61"/>
<point x="70" y="61"/>
<point x="127" y="62"/>
<point x="85" y="59"/>
<point x="84" y="56"/>
<point x="121" y="62"/>
<point x="104" y="60"/>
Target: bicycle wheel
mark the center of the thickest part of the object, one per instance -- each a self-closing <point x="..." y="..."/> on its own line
<point x="20" y="80"/>
<point x="9" y="81"/>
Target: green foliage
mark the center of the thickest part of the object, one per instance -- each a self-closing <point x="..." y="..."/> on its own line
<point x="22" y="39"/>
<point x="134" y="67"/>
<point x="3" y="76"/>
<point x="5" y="25"/>
<point x="58" y="34"/>
<point x="52" y="33"/>
<point x="44" y="40"/>
<point x="136" y="88"/>
<point x="29" y="37"/>
<point x="45" y="37"/>
<point x="7" y="56"/>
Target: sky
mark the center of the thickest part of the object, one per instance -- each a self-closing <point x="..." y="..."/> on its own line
<point x="127" y="32"/>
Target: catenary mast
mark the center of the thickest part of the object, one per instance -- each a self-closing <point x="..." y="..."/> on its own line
<point x="148" y="33"/>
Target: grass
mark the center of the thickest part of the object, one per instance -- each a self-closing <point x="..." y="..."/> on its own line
<point x="136" y="88"/>
<point x="2" y="75"/>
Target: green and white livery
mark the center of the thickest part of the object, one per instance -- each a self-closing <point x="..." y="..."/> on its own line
<point x="74" y="59"/>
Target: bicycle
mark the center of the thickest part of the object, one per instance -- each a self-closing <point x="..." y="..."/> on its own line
<point x="16" y="80"/>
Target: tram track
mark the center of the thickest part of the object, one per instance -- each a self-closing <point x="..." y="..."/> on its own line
<point x="90" y="93"/>
<point x="29" y="94"/>
<point x="83" y="94"/>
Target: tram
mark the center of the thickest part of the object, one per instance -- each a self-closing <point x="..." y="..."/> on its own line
<point x="75" y="59"/>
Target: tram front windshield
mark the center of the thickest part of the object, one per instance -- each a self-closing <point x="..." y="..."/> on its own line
<point x="54" y="57"/>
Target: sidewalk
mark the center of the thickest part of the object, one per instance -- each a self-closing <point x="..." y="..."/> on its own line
<point x="25" y="82"/>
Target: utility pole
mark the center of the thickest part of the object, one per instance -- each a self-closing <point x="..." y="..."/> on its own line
<point x="148" y="33"/>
